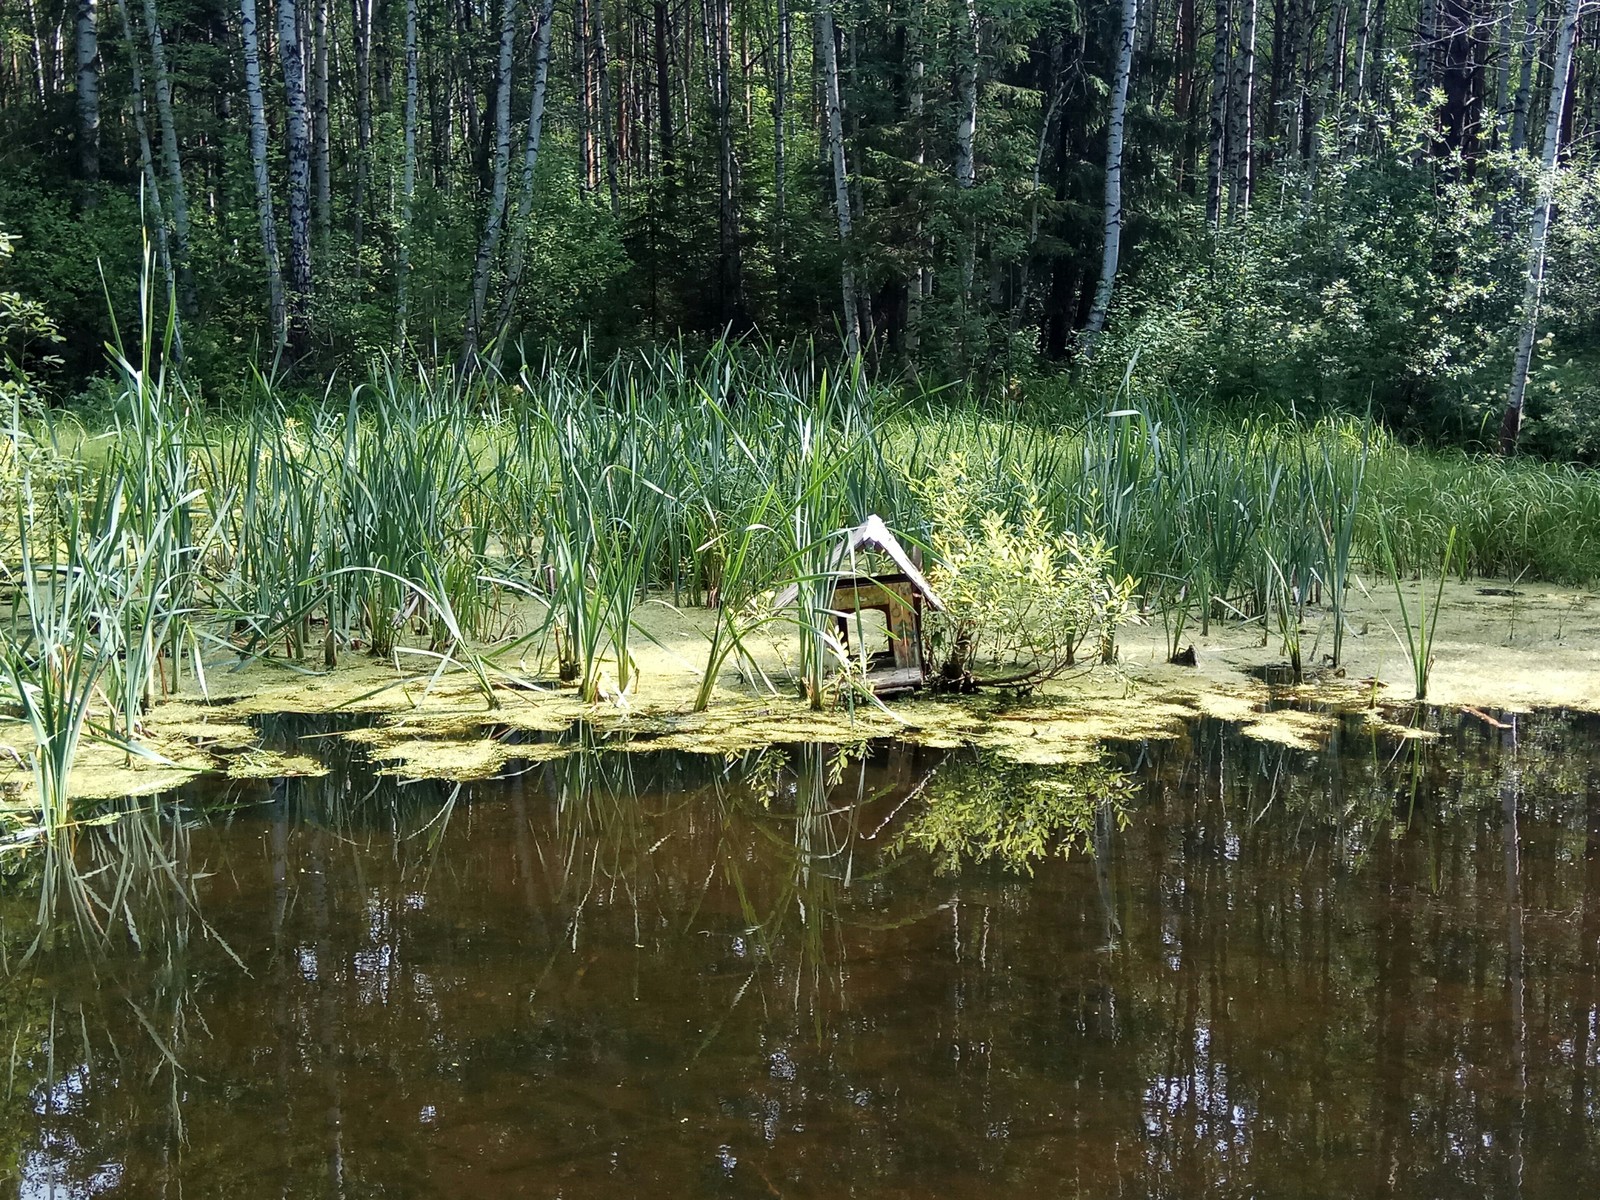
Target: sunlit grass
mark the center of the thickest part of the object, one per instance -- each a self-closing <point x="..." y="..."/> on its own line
<point x="399" y="517"/>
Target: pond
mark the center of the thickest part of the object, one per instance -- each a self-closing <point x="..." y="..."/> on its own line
<point x="1262" y="971"/>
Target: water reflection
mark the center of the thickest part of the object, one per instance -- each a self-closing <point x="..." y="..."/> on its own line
<point x="1368" y="970"/>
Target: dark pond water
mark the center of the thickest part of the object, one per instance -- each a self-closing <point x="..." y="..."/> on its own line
<point x="1368" y="971"/>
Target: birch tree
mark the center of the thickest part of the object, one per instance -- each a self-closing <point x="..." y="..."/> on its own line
<point x="608" y="124"/>
<point x="966" y="165"/>
<point x="150" y="183"/>
<point x="321" y="156"/>
<point x="408" y="176"/>
<point x="361" y="44"/>
<point x="1522" y="103"/>
<point x="86" y="48"/>
<point x="1505" y="19"/>
<point x="256" y="102"/>
<point x="177" y="197"/>
<point x="530" y="161"/>
<point x="850" y="317"/>
<point x="730" y="282"/>
<point x="1219" y="114"/>
<point x="1539" y="226"/>
<point x="780" y="115"/>
<point x="1114" y="142"/>
<point x="494" y="220"/>
<point x="1245" y="118"/>
<point x="916" y="82"/>
<point x="1358" y="89"/>
<point x="298" y="142"/>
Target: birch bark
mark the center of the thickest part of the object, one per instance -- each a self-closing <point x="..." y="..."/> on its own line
<point x="151" y="183"/>
<point x="780" y="115"/>
<point x="1539" y="227"/>
<point x="87" y="48"/>
<point x="834" y="138"/>
<point x="258" y="169"/>
<point x="966" y="164"/>
<point x="1245" y="117"/>
<point x="608" y="122"/>
<point x="1114" y="141"/>
<point x="297" y="128"/>
<point x="172" y="163"/>
<point x="1523" y="102"/>
<point x="1215" y="166"/>
<point x="408" y="174"/>
<point x="361" y="38"/>
<point x="321" y="155"/>
<point x="494" y="220"/>
<point x="530" y="163"/>
<point x="730" y="267"/>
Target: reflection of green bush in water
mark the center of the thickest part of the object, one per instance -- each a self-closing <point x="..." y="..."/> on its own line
<point x="986" y="808"/>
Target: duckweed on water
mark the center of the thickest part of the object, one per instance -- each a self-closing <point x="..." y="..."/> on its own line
<point x="463" y="556"/>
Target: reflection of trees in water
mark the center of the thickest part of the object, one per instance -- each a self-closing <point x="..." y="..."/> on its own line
<point x="1359" y="913"/>
<point x="1362" y="960"/>
<point x="371" y="919"/>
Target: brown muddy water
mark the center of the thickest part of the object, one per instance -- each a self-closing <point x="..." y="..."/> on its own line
<point x="1367" y="971"/>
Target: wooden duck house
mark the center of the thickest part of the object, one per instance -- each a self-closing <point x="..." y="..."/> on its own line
<point x="899" y="594"/>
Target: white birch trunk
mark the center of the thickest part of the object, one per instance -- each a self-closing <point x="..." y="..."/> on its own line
<point x="38" y="54"/>
<point x="1332" y="51"/>
<point x="361" y="36"/>
<point x="86" y="45"/>
<point x="319" y="125"/>
<point x="1523" y="102"/>
<point x="408" y="176"/>
<point x="780" y="115"/>
<point x="1114" y="140"/>
<point x="258" y="165"/>
<point x="297" y="128"/>
<point x="155" y="219"/>
<point x="177" y="199"/>
<point x="1215" y="167"/>
<point x="730" y="271"/>
<point x="1244" y="127"/>
<point x="1502" y="86"/>
<point x="966" y="163"/>
<point x="1539" y="227"/>
<point x="851" y="316"/>
<point x="1358" y="90"/>
<point x="608" y="122"/>
<point x="494" y="221"/>
<point x="530" y="163"/>
<point x="917" y="288"/>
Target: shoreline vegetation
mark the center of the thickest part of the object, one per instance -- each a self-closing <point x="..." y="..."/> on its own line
<point x="483" y="563"/>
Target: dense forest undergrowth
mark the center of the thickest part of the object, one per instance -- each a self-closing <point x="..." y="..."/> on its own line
<point x="1330" y="206"/>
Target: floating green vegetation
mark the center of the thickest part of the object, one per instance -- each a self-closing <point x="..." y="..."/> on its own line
<point x="985" y="809"/>
<point x="518" y="532"/>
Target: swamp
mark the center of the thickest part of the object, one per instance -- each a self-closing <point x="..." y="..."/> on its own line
<point x="799" y="599"/>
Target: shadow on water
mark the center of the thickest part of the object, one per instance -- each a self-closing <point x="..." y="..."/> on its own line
<point x="1204" y="967"/>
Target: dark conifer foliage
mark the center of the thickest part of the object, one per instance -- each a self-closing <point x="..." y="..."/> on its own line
<point x="1313" y="201"/>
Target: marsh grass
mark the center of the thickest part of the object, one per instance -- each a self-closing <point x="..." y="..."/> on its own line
<point x="82" y="637"/>
<point x="1420" y="623"/>
<point x="403" y="514"/>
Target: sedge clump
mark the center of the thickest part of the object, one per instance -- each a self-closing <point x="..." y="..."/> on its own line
<point x="1022" y="598"/>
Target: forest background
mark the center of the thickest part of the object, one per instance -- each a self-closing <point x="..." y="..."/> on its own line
<point x="1385" y="206"/>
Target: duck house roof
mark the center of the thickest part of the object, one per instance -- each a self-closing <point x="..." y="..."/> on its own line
<point x="871" y="534"/>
